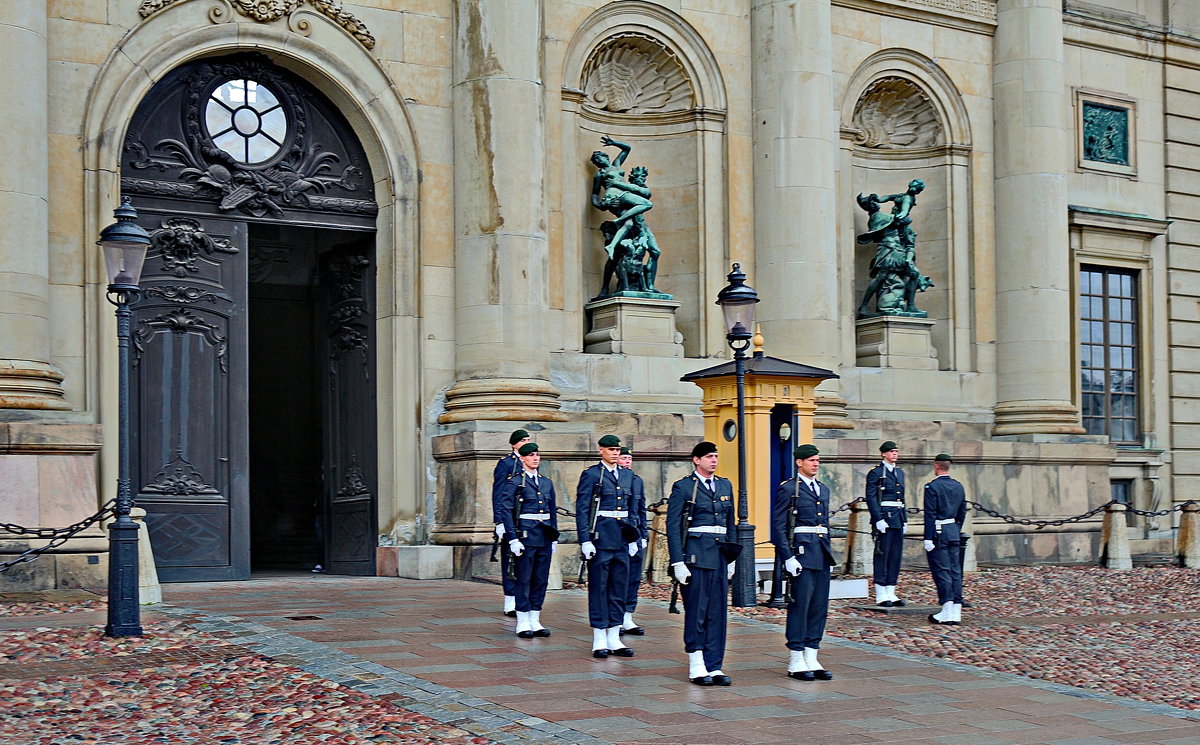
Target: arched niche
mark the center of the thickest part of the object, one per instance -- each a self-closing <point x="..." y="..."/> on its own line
<point x="902" y="118"/>
<point x="337" y="64"/>
<point x="640" y="74"/>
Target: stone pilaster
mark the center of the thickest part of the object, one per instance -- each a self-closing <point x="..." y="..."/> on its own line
<point x="500" y="214"/>
<point x="28" y="380"/>
<point x="795" y="156"/>
<point x="1033" y="268"/>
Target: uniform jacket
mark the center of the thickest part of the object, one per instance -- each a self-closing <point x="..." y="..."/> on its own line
<point x="944" y="500"/>
<point x="519" y="496"/>
<point x="710" y="508"/>
<point x="637" y="515"/>
<point x="616" y="493"/>
<point x="886" y="486"/>
<point x="507" y="466"/>
<point x="812" y="550"/>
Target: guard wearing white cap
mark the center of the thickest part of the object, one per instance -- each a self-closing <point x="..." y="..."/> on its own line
<point x="800" y="532"/>
<point x="885" y="500"/>
<point x="945" y="511"/>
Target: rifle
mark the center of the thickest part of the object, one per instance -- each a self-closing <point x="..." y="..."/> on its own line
<point x="516" y="511"/>
<point x="685" y="522"/>
<point x="583" y="561"/>
<point x="791" y="537"/>
<point x="496" y="545"/>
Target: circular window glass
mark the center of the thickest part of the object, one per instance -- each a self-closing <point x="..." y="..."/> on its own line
<point x="245" y="119"/>
<point x="729" y="430"/>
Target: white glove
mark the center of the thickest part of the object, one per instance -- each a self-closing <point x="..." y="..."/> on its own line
<point x="516" y="547"/>
<point x="792" y="566"/>
<point x="732" y="569"/>
<point x="881" y="526"/>
<point x="642" y="541"/>
<point x="928" y="545"/>
<point x="589" y="549"/>
<point x="633" y="548"/>
<point x="499" y="530"/>
<point x="553" y="547"/>
<point x="681" y="572"/>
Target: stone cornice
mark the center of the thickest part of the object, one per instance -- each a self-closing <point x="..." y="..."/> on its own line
<point x="976" y="16"/>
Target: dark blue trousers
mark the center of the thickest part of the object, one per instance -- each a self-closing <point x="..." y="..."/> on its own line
<point x="808" y="610"/>
<point x="533" y="575"/>
<point x="946" y="568"/>
<point x="636" y="562"/>
<point x="506" y="579"/>
<point x="705" y="600"/>
<point x="608" y="584"/>
<point x="887" y="558"/>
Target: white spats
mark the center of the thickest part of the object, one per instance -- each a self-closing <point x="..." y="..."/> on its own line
<point x="797" y="662"/>
<point x="696" y="665"/>
<point x="628" y="622"/>
<point x="510" y="603"/>
<point x="599" y="639"/>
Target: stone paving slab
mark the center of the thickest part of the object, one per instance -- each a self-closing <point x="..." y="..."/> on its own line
<point x="551" y="689"/>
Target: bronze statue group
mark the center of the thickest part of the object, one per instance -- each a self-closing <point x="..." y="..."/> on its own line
<point x="610" y="520"/>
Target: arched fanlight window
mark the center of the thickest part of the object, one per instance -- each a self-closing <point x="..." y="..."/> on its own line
<point x="246" y="119"/>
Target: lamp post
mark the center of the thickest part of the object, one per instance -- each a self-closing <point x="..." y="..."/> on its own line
<point x="737" y="303"/>
<point x="124" y="244"/>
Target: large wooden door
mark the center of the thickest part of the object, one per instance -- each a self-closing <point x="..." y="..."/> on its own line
<point x="189" y="397"/>
<point x="346" y="275"/>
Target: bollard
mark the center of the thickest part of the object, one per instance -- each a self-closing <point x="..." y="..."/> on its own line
<point x="658" y="562"/>
<point x="1114" y="540"/>
<point x="860" y="546"/>
<point x="967" y="558"/>
<point x="554" y="580"/>
<point x="149" y="591"/>
<point x="1189" y="536"/>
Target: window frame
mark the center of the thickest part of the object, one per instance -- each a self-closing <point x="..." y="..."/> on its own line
<point x="1131" y="314"/>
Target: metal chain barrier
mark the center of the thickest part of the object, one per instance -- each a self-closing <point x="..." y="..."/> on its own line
<point x="57" y="536"/>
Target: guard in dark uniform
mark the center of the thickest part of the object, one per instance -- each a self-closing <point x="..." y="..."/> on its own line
<point x="608" y="536"/>
<point x="703" y="551"/>
<point x="637" y="514"/>
<point x="528" y="511"/>
<point x="800" y="532"/>
<point x="507" y="466"/>
<point x="885" y="500"/>
<point x="945" y="511"/>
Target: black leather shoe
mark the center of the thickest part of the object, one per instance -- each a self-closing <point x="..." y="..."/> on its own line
<point x="899" y="603"/>
<point x="722" y="680"/>
<point x="939" y="623"/>
<point x="622" y="652"/>
<point x="703" y="680"/>
<point x="600" y="654"/>
<point x="822" y="674"/>
<point x="527" y="634"/>
<point x="885" y="604"/>
<point x="635" y="631"/>
<point x="510" y="613"/>
<point x="966" y="604"/>
<point x="802" y="675"/>
<point x="541" y="632"/>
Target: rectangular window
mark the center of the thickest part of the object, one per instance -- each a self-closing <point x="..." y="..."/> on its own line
<point x="1108" y="353"/>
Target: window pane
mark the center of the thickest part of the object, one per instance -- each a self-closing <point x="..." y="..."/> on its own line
<point x="1126" y="284"/>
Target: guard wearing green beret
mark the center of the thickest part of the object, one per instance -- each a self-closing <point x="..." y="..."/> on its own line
<point x="608" y="536"/>
<point x="945" y="511"/>
<point x="800" y="532"/>
<point x="637" y="562"/>
<point x="889" y="515"/>
<point x="506" y="468"/>
<point x="528" y="509"/>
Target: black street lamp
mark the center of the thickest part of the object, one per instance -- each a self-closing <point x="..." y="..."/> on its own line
<point x="125" y="244"/>
<point x="737" y="302"/>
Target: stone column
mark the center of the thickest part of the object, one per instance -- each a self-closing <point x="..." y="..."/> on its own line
<point x="501" y="249"/>
<point x="27" y="378"/>
<point x="795" y="155"/>
<point x="1033" y="268"/>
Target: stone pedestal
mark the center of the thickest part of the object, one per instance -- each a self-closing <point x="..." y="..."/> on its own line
<point x="633" y="325"/>
<point x="415" y="562"/>
<point x="895" y="341"/>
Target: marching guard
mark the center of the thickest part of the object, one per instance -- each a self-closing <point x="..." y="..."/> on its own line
<point x="945" y="511"/>
<point x="885" y="500"/>
<point x="703" y="554"/>
<point x="637" y="561"/>
<point x="506" y="467"/>
<point x="800" y="532"/>
<point x="608" y="537"/>
<point x="528" y="511"/>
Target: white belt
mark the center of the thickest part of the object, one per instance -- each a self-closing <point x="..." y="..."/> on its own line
<point x="714" y="529"/>
<point x="534" y="516"/>
<point x="940" y="523"/>
<point x="818" y="529"/>
<point x="891" y="504"/>
<point x="618" y="514"/>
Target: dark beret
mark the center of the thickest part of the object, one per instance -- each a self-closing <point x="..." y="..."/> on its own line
<point x="703" y="448"/>
<point x="888" y="446"/>
<point x="804" y="452"/>
<point x="610" y="441"/>
<point x="943" y="458"/>
<point x="626" y="451"/>
<point x="517" y="436"/>
<point x="527" y="448"/>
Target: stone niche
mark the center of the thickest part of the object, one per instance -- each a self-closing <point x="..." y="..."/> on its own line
<point x="633" y="325"/>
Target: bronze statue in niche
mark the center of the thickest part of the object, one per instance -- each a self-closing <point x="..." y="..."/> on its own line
<point x="895" y="279"/>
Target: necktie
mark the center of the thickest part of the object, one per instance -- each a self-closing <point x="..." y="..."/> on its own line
<point x="709" y="484"/>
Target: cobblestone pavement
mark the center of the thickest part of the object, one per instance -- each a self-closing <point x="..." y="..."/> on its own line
<point x="356" y="660"/>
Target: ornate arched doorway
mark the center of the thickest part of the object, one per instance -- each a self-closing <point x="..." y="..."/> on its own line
<point x="255" y="396"/>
